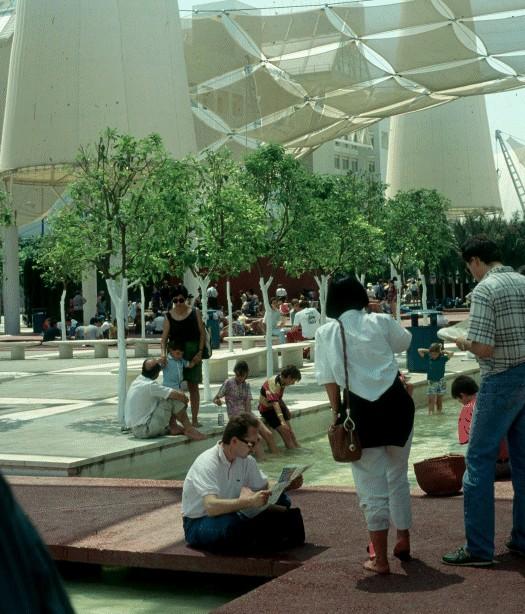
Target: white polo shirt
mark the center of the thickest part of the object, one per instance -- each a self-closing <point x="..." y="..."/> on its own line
<point x="213" y="474"/>
<point x="142" y="400"/>
<point x="309" y="320"/>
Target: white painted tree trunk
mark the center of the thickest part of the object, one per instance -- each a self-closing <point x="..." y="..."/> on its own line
<point x="424" y="294"/>
<point x="63" y="314"/>
<point x="204" y="282"/>
<point x="11" y="280"/>
<point x="230" y="314"/>
<point x="397" y="284"/>
<point x="118" y="291"/>
<point x="322" y="284"/>
<point x="142" y="313"/>
<point x="89" y="292"/>
<point x="265" y="286"/>
<point x="362" y="279"/>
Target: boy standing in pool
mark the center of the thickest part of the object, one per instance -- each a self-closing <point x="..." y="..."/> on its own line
<point x="435" y="360"/>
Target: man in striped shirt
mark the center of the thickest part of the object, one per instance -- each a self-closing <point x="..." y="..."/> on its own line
<point x="496" y="336"/>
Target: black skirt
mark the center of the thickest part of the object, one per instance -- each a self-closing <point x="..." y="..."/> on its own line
<point x="387" y="421"/>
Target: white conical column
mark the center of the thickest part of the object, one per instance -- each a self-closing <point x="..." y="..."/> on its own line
<point x="11" y="280"/>
<point x="79" y="67"/>
<point x="447" y="148"/>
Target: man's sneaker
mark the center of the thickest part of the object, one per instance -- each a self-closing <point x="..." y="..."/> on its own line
<point x="462" y="557"/>
<point x="515" y="549"/>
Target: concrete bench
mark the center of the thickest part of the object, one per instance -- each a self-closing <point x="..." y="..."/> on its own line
<point x="18" y="348"/>
<point x="292" y="353"/>
<point x="247" y="341"/>
<point x="141" y="345"/>
<point x="65" y="348"/>
<point x="218" y="363"/>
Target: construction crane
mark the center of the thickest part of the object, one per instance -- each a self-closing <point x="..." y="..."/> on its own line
<point x="516" y="180"/>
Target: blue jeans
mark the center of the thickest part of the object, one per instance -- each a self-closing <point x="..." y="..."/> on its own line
<point x="500" y="412"/>
<point x="227" y="532"/>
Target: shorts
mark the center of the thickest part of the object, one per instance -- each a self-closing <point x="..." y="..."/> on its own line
<point x="439" y="387"/>
<point x="158" y="422"/>
<point x="270" y="417"/>
<point x="193" y="375"/>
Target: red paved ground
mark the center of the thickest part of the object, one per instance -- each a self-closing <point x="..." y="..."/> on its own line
<point x="133" y="522"/>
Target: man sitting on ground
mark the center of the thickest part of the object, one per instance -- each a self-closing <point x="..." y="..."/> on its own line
<point x="224" y="480"/>
<point x="152" y="410"/>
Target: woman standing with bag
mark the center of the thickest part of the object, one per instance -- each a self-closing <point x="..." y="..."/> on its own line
<point x="184" y="324"/>
<point x="380" y="406"/>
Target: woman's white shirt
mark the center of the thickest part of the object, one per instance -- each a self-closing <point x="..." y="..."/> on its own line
<point x="371" y="341"/>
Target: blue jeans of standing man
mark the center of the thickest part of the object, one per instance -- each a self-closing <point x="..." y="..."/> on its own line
<point x="499" y="412"/>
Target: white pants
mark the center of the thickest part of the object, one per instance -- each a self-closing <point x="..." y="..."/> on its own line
<point x="381" y="481"/>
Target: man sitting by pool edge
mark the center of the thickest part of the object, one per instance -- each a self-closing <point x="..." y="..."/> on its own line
<point x="223" y="481"/>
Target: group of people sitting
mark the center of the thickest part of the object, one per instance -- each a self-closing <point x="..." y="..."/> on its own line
<point x="98" y="328"/>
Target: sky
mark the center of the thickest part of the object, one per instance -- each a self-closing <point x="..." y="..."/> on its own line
<point x="506" y="111"/>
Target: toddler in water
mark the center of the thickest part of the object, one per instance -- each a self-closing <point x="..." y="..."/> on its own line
<point x="172" y="372"/>
<point x="238" y="396"/>
<point x="435" y="360"/>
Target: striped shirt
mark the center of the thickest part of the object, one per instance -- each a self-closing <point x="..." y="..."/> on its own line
<point x="497" y="318"/>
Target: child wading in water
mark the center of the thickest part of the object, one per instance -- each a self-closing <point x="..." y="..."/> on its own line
<point x="272" y="407"/>
<point x="435" y="360"/>
<point x="238" y="396"/>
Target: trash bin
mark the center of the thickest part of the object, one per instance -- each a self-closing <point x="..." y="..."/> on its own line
<point x="422" y="337"/>
<point x="38" y="317"/>
<point x="214" y="328"/>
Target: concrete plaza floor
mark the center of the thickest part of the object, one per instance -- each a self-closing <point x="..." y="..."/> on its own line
<point x="58" y="417"/>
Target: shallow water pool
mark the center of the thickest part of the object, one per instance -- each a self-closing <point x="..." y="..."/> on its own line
<point x="433" y="436"/>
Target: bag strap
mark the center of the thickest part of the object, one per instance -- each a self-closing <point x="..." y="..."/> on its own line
<point x="348" y="424"/>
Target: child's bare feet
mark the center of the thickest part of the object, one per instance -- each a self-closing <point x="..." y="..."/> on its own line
<point x="371" y="565"/>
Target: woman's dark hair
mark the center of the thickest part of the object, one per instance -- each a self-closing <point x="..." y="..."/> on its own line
<point x="238" y="427"/>
<point x="291" y="371"/>
<point x="343" y="294"/>
<point x="482" y="247"/>
<point x="179" y="290"/>
<point x="241" y="368"/>
<point x="463" y="384"/>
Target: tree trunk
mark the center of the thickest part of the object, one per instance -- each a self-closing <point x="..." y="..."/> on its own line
<point x="203" y="285"/>
<point x="264" y="286"/>
<point x="362" y="279"/>
<point x="322" y="284"/>
<point x="118" y="292"/>
<point x="142" y="313"/>
<point x="424" y="296"/>
<point x="63" y="314"/>
<point x="230" y="314"/>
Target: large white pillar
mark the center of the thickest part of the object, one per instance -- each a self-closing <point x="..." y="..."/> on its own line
<point x="11" y="280"/>
<point x="89" y="292"/>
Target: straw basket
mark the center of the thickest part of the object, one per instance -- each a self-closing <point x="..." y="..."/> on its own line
<point x="441" y="476"/>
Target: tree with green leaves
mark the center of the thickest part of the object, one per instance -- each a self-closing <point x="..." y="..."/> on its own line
<point x="122" y="194"/>
<point x="281" y="186"/>
<point x="334" y="234"/>
<point x="417" y="232"/>
<point x="56" y="256"/>
<point x="226" y="228"/>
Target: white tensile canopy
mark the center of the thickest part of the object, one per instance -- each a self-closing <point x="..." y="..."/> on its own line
<point x="309" y="77"/>
<point x="299" y="79"/>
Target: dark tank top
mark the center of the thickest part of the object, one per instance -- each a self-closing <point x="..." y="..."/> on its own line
<point x="184" y="330"/>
